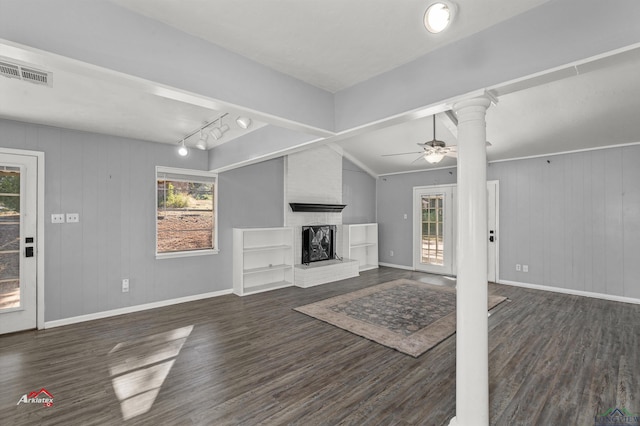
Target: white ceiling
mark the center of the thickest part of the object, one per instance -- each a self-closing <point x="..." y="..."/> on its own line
<point x="333" y="44"/>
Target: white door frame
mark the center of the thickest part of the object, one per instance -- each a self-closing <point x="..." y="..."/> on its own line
<point x="491" y="253"/>
<point x="449" y="229"/>
<point x="39" y="246"/>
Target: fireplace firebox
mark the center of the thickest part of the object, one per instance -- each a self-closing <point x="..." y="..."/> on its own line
<point x="318" y="243"/>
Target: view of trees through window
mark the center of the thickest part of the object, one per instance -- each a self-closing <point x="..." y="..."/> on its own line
<point x="185" y="216"/>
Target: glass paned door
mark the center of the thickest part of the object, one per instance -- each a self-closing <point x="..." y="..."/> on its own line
<point x="434" y="246"/>
<point x="18" y="254"/>
<point x="10" y="293"/>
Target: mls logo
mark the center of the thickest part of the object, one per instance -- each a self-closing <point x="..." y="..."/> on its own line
<point x="38" y="397"/>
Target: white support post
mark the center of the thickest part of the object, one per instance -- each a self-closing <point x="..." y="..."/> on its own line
<point x="472" y="345"/>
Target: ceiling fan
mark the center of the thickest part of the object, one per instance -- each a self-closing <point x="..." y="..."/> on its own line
<point x="433" y="151"/>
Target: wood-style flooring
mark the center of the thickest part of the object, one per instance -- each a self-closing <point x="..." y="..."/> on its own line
<point x="554" y="360"/>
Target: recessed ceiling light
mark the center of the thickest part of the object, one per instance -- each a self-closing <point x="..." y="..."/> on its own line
<point x="439" y="16"/>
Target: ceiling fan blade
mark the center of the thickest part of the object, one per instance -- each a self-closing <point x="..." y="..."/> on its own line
<point x="401" y="153"/>
<point x="419" y="158"/>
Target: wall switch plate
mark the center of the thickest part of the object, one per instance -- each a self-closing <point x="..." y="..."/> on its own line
<point x="73" y="217"/>
<point x="525" y="268"/>
<point x="405" y="215"/>
<point x="518" y="267"/>
<point x="391" y="253"/>
<point x="57" y="218"/>
<point x="125" y="285"/>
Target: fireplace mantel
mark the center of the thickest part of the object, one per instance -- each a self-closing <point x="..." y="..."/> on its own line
<point x="317" y="207"/>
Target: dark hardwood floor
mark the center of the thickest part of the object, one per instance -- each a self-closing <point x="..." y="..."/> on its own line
<point x="554" y="360"/>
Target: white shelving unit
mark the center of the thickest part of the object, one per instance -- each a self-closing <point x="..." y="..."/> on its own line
<point x="360" y="242"/>
<point x="262" y="259"/>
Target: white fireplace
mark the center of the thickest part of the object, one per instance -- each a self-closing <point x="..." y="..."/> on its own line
<point x="315" y="176"/>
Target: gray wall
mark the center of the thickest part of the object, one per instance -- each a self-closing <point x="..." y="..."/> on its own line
<point x="110" y="181"/>
<point x="574" y="219"/>
<point x="358" y="193"/>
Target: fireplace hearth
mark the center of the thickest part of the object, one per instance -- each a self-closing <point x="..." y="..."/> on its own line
<point x="318" y="243"/>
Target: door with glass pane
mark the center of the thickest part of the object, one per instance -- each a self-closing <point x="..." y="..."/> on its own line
<point x="18" y="254"/>
<point x="433" y="249"/>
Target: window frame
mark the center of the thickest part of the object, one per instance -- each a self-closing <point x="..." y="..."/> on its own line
<point x="160" y="170"/>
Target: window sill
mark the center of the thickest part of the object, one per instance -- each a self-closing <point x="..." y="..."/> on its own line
<point x="192" y="253"/>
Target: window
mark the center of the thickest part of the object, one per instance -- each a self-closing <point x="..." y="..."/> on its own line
<point x="186" y="214"/>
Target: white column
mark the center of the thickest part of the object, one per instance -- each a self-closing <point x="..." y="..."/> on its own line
<point x="472" y="346"/>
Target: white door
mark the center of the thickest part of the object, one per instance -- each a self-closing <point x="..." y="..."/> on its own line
<point x="435" y="230"/>
<point x="492" y="227"/>
<point x="18" y="254"/>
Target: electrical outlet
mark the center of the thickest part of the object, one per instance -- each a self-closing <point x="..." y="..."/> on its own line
<point x="125" y="285"/>
<point x="518" y="267"/>
<point x="57" y="218"/>
<point x="73" y="217"/>
<point x="405" y="215"/>
<point x="525" y="268"/>
<point x="391" y="253"/>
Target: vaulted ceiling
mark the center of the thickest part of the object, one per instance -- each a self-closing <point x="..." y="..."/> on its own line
<point x="159" y="70"/>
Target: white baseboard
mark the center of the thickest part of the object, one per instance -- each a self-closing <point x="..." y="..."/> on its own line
<point x="391" y="265"/>
<point x="573" y="292"/>
<point x="131" y="309"/>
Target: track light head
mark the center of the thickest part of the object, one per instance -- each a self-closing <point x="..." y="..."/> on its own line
<point x="202" y="142"/>
<point x="217" y="132"/>
<point x="182" y="149"/>
<point x="243" y="122"/>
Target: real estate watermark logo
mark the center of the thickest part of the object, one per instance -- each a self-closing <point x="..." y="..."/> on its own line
<point x="38" y="397"/>
<point x="617" y="416"/>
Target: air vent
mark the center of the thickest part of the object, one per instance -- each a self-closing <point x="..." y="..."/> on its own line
<point x="31" y="75"/>
<point x="35" y="76"/>
<point x="9" y="70"/>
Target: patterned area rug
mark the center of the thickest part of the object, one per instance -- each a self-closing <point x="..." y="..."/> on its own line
<point x="406" y="315"/>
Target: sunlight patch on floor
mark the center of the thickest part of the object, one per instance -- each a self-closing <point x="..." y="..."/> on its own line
<point x="138" y="368"/>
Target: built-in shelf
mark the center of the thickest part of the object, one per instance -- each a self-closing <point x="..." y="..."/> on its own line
<point x="267" y="248"/>
<point x="262" y="259"/>
<point x="360" y="243"/>
<point x="266" y="268"/>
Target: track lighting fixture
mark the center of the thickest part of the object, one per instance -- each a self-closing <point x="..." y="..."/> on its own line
<point x="216" y="132"/>
<point x="243" y="122"/>
<point x="183" y="150"/>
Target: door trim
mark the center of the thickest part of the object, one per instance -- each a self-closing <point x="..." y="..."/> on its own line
<point x="39" y="229"/>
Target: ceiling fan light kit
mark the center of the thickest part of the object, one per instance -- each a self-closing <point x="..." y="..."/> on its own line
<point x="434" y="157"/>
